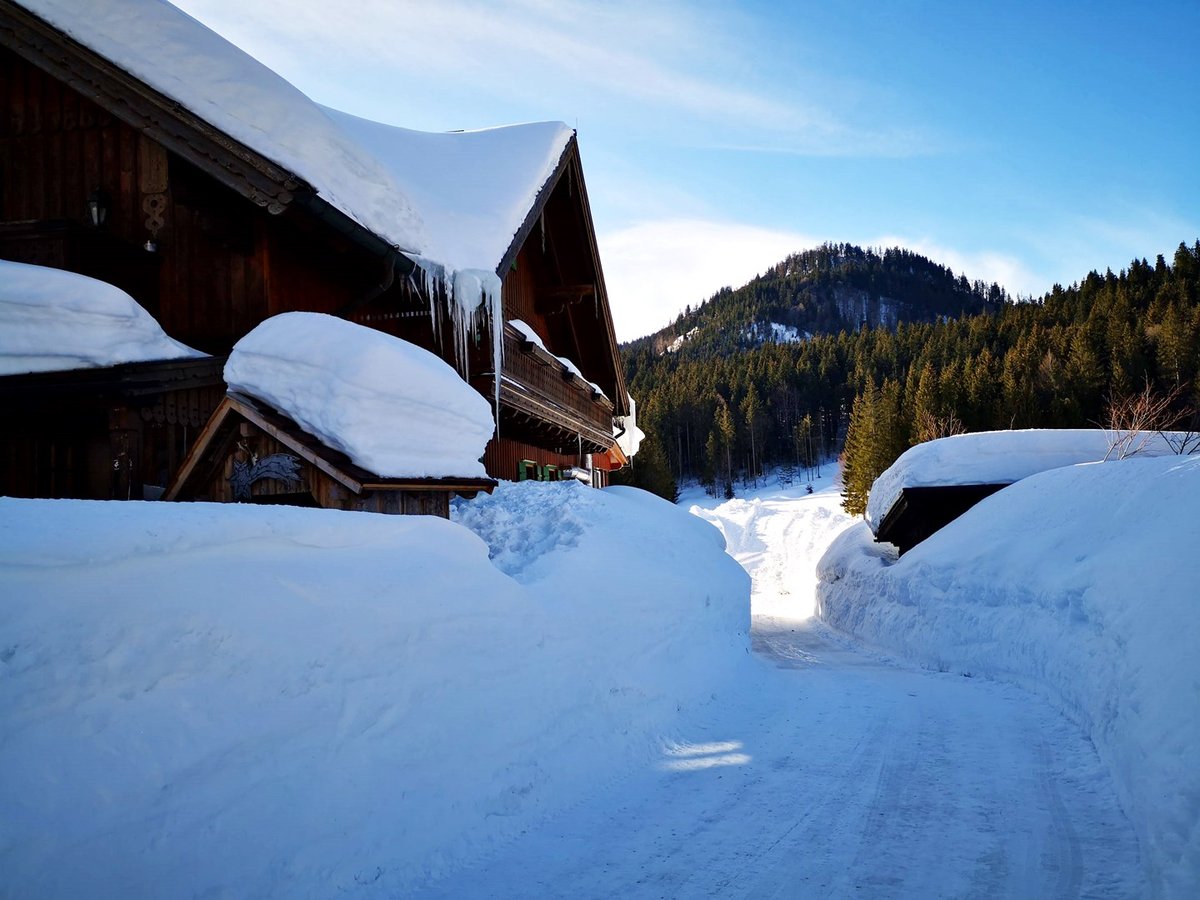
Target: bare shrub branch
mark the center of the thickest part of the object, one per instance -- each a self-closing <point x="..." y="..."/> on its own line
<point x="1133" y="420"/>
<point x="929" y="427"/>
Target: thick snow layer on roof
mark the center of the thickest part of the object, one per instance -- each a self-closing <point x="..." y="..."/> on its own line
<point x="337" y="703"/>
<point x="991" y="457"/>
<point x="1078" y="583"/>
<point x="473" y="189"/>
<point x="236" y="94"/>
<point x="51" y="320"/>
<point x="394" y="408"/>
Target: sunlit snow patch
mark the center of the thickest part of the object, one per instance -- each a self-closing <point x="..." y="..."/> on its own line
<point x="692" y="757"/>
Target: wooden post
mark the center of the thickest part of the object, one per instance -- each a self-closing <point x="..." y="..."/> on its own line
<point x="125" y="444"/>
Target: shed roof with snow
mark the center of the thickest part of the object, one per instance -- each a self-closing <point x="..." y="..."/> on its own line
<point x="251" y="453"/>
<point x="935" y="482"/>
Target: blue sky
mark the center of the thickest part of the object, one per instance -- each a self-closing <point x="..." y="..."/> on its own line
<point x="1026" y="143"/>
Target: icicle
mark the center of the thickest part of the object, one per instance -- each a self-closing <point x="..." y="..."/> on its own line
<point x="542" y="225"/>
<point x="496" y="310"/>
<point x="472" y="299"/>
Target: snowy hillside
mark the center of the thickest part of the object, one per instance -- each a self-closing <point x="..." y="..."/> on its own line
<point x="204" y="700"/>
<point x="1078" y="584"/>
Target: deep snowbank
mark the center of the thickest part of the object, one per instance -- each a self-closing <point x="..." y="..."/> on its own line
<point x="51" y="321"/>
<point x="1079" y="584"/>
<point x="202" y="700"/>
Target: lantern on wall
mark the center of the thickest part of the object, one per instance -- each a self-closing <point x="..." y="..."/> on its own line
<point x="97" y="208"/>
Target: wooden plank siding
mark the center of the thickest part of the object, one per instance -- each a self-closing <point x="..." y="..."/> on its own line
<point x="221" y="264"/>
<point x="505" y="459"/>
<point x="101" y="437"/>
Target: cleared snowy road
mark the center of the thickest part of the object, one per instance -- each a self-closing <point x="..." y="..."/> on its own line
<point x="830" y="772"/>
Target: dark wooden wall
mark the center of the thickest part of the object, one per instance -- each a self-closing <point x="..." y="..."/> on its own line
<point x="96" y="447"/>
<point x="314" y="487"/>
<point x="220" y="264"/>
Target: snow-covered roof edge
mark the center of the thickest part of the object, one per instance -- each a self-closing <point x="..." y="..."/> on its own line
<point x="992" y="457"/>
<point x="52" y="320"/>
<point x="208" y="81"/>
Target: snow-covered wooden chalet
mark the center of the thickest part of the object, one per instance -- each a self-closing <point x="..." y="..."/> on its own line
<point x="139" y="148"/>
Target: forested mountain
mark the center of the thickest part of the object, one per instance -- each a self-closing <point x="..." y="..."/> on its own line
<point x="833" y="288"/>
<point x="718" y="413"/>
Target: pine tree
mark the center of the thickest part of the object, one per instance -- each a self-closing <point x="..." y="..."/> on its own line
<point x="857" y="454"/>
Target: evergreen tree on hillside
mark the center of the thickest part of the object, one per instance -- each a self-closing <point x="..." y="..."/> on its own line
<point x="719" y="406"/>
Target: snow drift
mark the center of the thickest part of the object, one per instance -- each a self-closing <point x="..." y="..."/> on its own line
<point x="51" y="320"/>
<point x="206" y="700"/>
<point x="1078" y="584"/>
<point x="393" y="407"/>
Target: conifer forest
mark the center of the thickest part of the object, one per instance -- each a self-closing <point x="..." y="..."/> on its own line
<point x="861" y="353"/>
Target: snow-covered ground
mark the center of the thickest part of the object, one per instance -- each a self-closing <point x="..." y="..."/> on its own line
<point x="205" y="700"/>
<point x="200" y="699"/>
<point x="823" y="770"/>
<point x="777" y="534"/>
<point x="1081" y="585"/>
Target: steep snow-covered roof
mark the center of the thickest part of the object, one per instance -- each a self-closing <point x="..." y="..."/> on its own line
<point x="473" y="189"/>
<point x="455" y="199"/>
<point x="991" y="457"/>
<point x="392" y="407"/>
<point x="182" y="59"/>
<point x="51" y="321"/>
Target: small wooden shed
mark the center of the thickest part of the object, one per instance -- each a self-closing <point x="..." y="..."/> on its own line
<point x="251" y="453"/>
<point x="920" y="511"/>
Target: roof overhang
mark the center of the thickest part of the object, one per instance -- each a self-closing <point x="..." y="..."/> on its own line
<point x="570" y="166"/>
<point x="148" y="111"/>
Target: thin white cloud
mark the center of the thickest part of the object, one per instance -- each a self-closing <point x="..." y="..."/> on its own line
<point x="654" y="269"/>
<point x="681" y="68"/>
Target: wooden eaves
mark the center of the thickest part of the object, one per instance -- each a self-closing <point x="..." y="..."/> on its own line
<point x="569" y="165"/>
<point x="920" y="511"/>
<point x="150" y="112"/>
<point x="128" y="380"/>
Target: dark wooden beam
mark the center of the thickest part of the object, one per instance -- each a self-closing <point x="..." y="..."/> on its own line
<point x="154" y="114"/>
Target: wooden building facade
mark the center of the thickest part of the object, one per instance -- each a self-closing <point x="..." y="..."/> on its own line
<point x="102" y="175"/>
